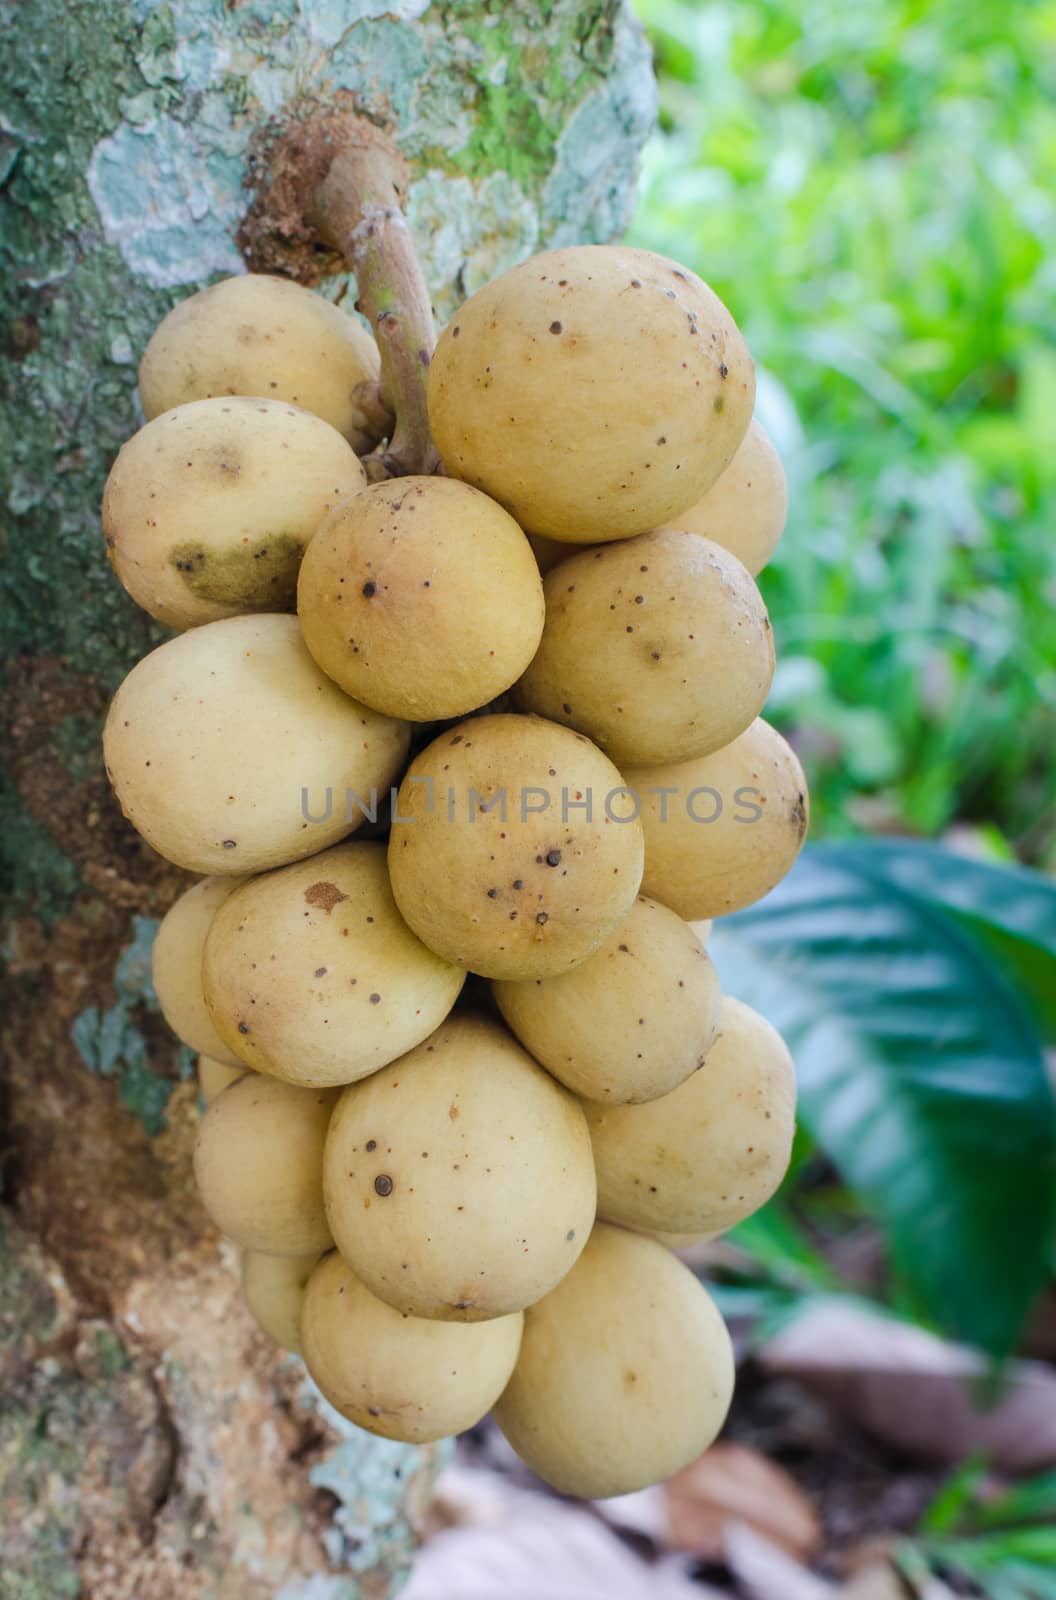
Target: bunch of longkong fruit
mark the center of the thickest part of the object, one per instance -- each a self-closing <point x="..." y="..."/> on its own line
<point x="469" y="1075"/>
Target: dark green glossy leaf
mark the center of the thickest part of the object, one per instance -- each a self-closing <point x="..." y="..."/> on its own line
<point x="921" y="1074"/>
<point x="1033" y="1500"/>
<point x="1011" y="911"/>
<point x="774" y="1239"/>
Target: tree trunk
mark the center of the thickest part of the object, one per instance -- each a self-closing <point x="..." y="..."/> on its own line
<point x="151" y="1444"/>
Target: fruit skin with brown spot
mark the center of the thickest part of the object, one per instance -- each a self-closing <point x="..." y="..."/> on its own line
<point x="208" y="509"/>
<point x="723" y="829"/>
<point x="630" y="1022"/>
<point x="191" y="742"/>
<point x="745" y="510"/>
<point x="459" y="1182"/>
<point x="545" y="389"/>
<point x="311" y="974"/>
<point x="400" y="1377"/>
<point x="176" y="968"/>
<point x="421" y="598"/>
<point x="658" y="648"/>
<point x="625" y="1373"/>
<point x="258" y="1164"/>
<point x="526" y="892"/>
<point x="708" y="1155"/>
<point x="259" y="335"/>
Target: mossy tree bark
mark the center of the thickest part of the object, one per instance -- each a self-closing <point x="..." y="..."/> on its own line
<point x="150" y="1444"/>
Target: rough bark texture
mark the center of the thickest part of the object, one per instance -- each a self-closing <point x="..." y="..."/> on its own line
<point x="151" y="1444"/>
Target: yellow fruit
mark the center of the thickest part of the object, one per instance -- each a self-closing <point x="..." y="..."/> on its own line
<point x="208" y="509"/>
<point x="459" y="1182"/>
<point x="273" y="1288"/>
<point x="714" y="1150"/>
<point x="397" y="1376"/>
<point x="746" y="508"/>
<point x="625" y="1373"/>
<point x="214" y="1077"/>
<point x="722" y="830"/>
<point x="224" y="744"/>
<point x="631" y="1021"/>
<point x="595" y="391"/>
<point x="258" y="335"/>
<point x="421" y="598"/>
<point x="258" y="1164"/>
<point x="658" y="648"/>
<point x="311" y="974"/>
<point x="530" y="886"/>
<point x="177" y="967"/>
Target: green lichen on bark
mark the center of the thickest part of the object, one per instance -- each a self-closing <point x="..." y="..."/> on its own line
<point x="531" y="72"/>
<point x="373" y="1480"/>
<point x="57" y="1412"/>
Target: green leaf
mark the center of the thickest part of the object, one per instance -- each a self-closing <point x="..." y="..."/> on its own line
<point x="1011" y="911"/>
<point x="774" y="1239"/>
<point x="921" y="1074"/>
<point x="954" y="1498"/>
<point x="1026" y="1555"/>
<point x="1033" y="1500"/>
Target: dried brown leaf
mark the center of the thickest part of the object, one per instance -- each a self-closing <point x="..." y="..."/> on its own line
<point x="877" y="1581"/>
<point x="734" y="1483"/>
<point x="915" y="1391"/>
<point x="516" y="1544"/>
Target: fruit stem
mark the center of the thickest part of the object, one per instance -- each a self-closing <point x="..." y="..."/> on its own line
<point x="357" y="209"/>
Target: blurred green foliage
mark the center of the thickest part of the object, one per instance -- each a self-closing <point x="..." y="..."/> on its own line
<point x="871" y="186"/>
<point x="916" y="990"/>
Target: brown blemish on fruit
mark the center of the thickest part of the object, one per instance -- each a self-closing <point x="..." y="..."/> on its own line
<point x="258" y="575"/>
<point x="383" y="1184"/>
<point x="324" y="896"/>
